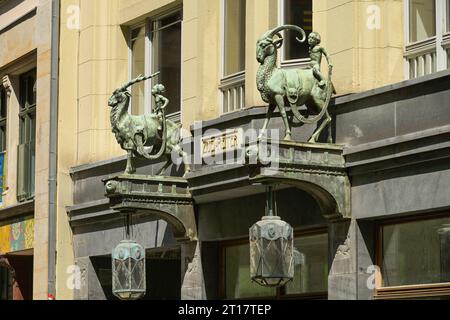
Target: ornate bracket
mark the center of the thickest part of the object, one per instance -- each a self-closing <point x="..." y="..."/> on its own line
<point x="164" y="198"/>
<point x="318" y="169"/>
<point x="6" y="82"/>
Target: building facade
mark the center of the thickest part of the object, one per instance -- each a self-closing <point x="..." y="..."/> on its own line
<point x="391" y="60"/>
<point x="25" y="68"/>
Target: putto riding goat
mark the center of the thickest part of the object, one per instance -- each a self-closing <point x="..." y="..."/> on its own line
<point x="292" y="88"/>
<point x="134" y="133"/>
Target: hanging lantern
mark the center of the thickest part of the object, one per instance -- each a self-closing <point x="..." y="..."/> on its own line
<point x="128" y="270"/>
<point x="271" y="248"/>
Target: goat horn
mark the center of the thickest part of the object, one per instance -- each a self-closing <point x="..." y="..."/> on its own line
<point x="277" y="30"/>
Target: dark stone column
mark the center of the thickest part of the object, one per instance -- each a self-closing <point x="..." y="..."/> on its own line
<point x="365" y="235"/>
<point x="342" y="278"/>
<point x="352" y="260"/>
<point x="193" y="284"/>
<point x="91" y="288"/>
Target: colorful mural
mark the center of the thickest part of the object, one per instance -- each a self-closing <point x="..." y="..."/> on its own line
<point x="17" y="236"/>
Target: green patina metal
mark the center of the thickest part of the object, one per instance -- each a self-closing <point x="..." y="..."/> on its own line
<point x="318" y="169"/>
<point x="166" y="198"/>
<point x="134" y="133"/>
<point x="294" y="87"/>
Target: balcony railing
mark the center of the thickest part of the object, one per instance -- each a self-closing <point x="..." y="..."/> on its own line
<point x="25" y="171"/>
<point x="233" y="92"/>
<point x="421" y="58"/>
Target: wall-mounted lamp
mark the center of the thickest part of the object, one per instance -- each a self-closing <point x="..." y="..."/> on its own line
<point x="271" y="247"/>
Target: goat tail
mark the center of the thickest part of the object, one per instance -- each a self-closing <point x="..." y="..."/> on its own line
<point x="162" y="150"/>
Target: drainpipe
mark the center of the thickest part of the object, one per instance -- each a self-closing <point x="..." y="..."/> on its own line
<point x="52" y="176"/>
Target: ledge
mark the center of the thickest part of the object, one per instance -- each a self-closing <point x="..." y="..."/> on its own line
<point x="419" y="147"/>
<point x="16" y="210"/>
<point x="392" y="87"/>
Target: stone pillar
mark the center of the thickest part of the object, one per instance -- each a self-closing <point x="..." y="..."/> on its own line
<point x="193" y="284"/>
<point x="342" y="282"/>
<point x="352" y="260"/>
<point x="367" y="271"/>
<point x="90" y="287"/>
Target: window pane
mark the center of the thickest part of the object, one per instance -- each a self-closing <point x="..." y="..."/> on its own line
<point x="299" y="13"/>
<point x="137" y="68"/>
<point x="234" y="36"/>
<point x="416" y="252"/>
<point x="237" y="275"/>
<point x="311" y="265"/>
<point x="3" y="103"/>
<point x="166" y="54"/>
<point x="5" y="284"/>
<point x="422" y="20"/>
<point x="448" y="58"/>
<point x="31" y="89"/>
<point x="2" y="140"/>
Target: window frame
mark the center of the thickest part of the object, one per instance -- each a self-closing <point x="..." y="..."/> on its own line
<point x="299" y="62"/>
<point x="280" y="293"/>
<point x="4" y="120"/>
<point x="27" y="114"/>
<point x="420" y="51"/>
<point x="148" y="25"/>
<point x="232" y="83"/>
<point x="413" y="291"/>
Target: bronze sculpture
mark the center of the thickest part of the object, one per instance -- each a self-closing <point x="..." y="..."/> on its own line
<point x="134" y="133"/>
<point x="280" y="87"/>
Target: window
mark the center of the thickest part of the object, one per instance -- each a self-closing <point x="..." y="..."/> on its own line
<point x="6" y="288"/>
<point x="3" y="136"/>
<point x="166" y="57"/>
<point x="311" y="270"/>
<point x="234" y="46"/>
<point x="27" y="136"/>
<point x="156" y="46"/>
<point x="415" y="258"/>
<point x="299" y="13"/>
<point x="311" y="265"/>
<point x="137" y="69"/>
<point x="448" y="16"/>
<point x="233" y="78"/>
<point x="428" y="39"/>
<point x="422" y="19"/>
<point x="3" y="116"/>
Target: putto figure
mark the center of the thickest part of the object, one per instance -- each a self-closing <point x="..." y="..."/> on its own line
<point x="134" y="133"/>
<point x="161" y="102"/>
<point x="294" y="87"/>
<point x="315" y="54"/>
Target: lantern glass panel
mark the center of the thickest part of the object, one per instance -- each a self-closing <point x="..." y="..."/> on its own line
<point x="271" y="252"/>
<point x="128" y="263"/>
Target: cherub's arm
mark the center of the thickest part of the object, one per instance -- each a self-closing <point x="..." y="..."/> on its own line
<point x="165" y="102"/>
<point x="326" y="56"/>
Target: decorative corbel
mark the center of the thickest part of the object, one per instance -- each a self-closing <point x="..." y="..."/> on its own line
<point x="6" y="82"/>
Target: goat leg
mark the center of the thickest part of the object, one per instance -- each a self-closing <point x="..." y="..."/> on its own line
<point x="130" y="169"/>
<point x="266" y="122"/>
<point x="280" y="102"/>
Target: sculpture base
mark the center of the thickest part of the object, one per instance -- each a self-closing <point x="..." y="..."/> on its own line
<point x="166" y="198"/>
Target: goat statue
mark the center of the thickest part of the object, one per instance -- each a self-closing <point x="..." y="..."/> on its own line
<point x="295" y="87"/>
<point x="134" y="133"/>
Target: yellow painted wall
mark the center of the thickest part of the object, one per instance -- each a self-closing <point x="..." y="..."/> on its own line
<point x="364" y="57"/>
